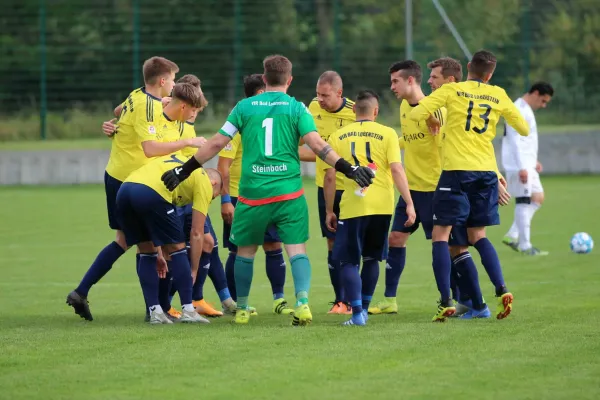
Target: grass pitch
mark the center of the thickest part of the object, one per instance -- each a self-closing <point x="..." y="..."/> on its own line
<point x="547" y="349"/>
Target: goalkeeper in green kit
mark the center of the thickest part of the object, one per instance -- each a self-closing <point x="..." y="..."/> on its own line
<point x="270" y="192"/>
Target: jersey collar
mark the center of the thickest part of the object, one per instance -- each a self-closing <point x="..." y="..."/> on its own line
<point x="167" y="117"/>
<point x="476" y="80"/>
<point x="341" y="107"/>
<point x="148" y="94"/>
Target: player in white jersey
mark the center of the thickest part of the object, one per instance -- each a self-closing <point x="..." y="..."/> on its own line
<point x="520" y="161"/>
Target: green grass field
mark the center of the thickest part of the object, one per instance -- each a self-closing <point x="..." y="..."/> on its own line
<point x="547" y="349"/>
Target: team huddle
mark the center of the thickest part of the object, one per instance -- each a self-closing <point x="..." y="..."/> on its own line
<point x="158" y="194"/>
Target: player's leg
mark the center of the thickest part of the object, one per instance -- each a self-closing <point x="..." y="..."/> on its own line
<point x="275" y="266"/>
<point x="482" y="193"/>
<point x="247" y="232"/>
<point x="375" y="249"/>
<point x="216" y="273"/>
<point x="230" y="262"/>
<point x="201" y="305"/>
<point x="333" y="265"/>
<point x="348" y="249"/>
<point x="526" y="214"/>
<point x="515" y="187"/>
<point x="450" y="207"/>
<point x="291" y="219"/>
<point x="107" y="256"/>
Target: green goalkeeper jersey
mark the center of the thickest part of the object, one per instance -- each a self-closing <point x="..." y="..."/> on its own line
<point x="271" y="125"/>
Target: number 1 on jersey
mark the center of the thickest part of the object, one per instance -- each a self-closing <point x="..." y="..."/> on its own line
<point x="268" y="125"/>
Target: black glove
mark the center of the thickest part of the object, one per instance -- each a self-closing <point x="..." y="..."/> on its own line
<point x="173" y="177"/>
<point x="361" y="175"/>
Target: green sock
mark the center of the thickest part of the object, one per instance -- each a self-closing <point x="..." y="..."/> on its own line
<point x="301" y="273"/>
<point x="243" y="271"/>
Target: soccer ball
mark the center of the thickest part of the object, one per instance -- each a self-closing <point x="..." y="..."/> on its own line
<point x="581" y="243"/>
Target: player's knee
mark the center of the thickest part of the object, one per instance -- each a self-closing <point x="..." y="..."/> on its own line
<point x="208" y="244"/>
<point x="330" y="242"/>
<point x="171" y="248"/>
<point x="398" y="239"/>
<point x="456" y="250"/>
<point x="475" y="234"/>
<point x="120" y="240"/>
<point x="440" y="233"/>
<point x="271" y="246"/>
<point x="146" y="248"/>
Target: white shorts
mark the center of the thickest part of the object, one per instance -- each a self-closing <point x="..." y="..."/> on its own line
<point x="518" y="189"/>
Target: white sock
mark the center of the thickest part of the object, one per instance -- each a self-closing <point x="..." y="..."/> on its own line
<point x="513" y="232"/>
<point x="188" y="307"/>
<point x="156" y="308"/>
<point x="523" y="219"/>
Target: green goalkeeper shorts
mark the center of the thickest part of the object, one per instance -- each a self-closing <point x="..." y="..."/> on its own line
<point x="250" y="223"/>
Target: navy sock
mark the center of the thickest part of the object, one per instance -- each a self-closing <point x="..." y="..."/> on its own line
<point x="149" y="278"/>
<point x="164" y="287"/>
<point x="441" y="269"/>
<point x="352" y="286"/>
<point x="180" y="269"/>
<point x="369" y="277"/>
<point x="101" y="265"/>
<point x="469" y="278"/>
<point x="454" y="283"/>
<point x="198" y="289"/>
<point x="275" y="265"/>
<point x="393" y="271"/>
<point x="491" y="263"/>
<point x="335" y="275"/>
<point x="230" y="273"/>
<point x="137" y="271"/>
<point x="216" y="272"/>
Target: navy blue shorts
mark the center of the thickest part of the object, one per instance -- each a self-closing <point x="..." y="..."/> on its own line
<point x="144" y="216"/>
<point x="362" y="236"/>
<point x="323" y="211"/>
<point x="271" y="235"/>
<point x="111" y="188"/>
<point x="185" y="214"/>
<point x="468" y="198"/>
<point x="423" y="202"/>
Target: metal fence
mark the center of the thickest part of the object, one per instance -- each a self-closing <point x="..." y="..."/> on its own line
<point x="58" y="55"/>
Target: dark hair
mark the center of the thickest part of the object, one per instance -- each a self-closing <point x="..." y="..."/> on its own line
<point x="366" y="100"/>
<point x="450" y="67"/>
<point x="252" y="84"/>
<point x="543" y="88"/>
<point x="408" y="68"/>
<point x="482" y="63"/>
<point x="191" y="79"/>
<point x="156" y="67"/>
<point x="278" y="70"/>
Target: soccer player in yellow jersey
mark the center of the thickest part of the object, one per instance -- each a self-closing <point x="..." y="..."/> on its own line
<point x="230" y="167"/>
<point x="365" y="214"/>
<point x="331" y="111"/>
<point x="467" y="192"/>
<point x="146" y="211"/>
<point x="135" y="140"/>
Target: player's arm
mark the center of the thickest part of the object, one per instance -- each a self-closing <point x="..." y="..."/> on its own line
<point x="514" y="118"/>
<point x="196" y="241"/>
<point x="226" y="207"/>
<point x="329" y="194"/>
<point x="430" y="104"/>
<point x="154" y="148"/>
<point x="118" y="109"/>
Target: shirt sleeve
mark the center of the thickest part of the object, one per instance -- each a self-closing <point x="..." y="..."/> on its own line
<point x="230" y="150"/>
<point x="393" y="151"/>
<point x="202" y="196"/>
<point x="147" y="121"/>
<point x="431" y="103"/>
<point x="513" y="117"/>
<point x="306" y="123"/>
<point x="232" y="126"/>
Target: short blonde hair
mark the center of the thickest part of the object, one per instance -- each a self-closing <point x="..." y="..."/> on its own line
<point x="189" y="94"/>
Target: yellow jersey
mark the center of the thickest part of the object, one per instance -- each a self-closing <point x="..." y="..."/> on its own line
<point x="189" y="132"/>
<point x="474" y="109"/>
<point x="327" y="123"/>
<point x="196" y="190"/>
<point x="137" y="123"/>
<point x="233" y="150"/>
<point x="374" y="145"/>
<point x="421" y="150"/>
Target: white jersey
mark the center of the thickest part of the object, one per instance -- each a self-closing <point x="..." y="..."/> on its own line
<point x="520" y="152"/>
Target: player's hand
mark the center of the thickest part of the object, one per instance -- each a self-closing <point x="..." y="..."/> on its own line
<point x="227" y="213"/>
<point x="433" y="124"/>
<point x="331" y="221"/>
<point x="538" y="167"/>
<point x="361" y="175"/>
<point x="161" y="267"/>
<point x="197" y="142"/>
<point x="523" y="175"/>
<point x="503" y="195"/>
<point x="503" y="182"/>
<point x="165" y="101"/>
<point x="173" y="177"/>
<point x="411" y="214"/>
<point x="109" y="128"/>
